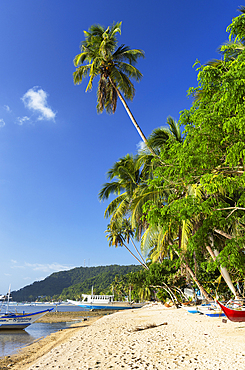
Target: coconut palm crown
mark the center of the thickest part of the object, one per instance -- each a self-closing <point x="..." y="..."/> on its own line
<point x="115" y="67"/>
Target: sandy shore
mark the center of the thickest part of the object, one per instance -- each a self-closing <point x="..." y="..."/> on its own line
<point x="148" y="338"/>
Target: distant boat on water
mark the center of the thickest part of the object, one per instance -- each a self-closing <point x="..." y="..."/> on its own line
<point x="103" y="302"/>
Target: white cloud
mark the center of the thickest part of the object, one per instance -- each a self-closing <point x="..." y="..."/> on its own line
<point x="35" y="99"/>
<point x="2" y="123"/>
<point x="141" y="146"/>
<point x="48" y="267"/>
<point x="21" y="120"/>
<point x="6" y="107"/>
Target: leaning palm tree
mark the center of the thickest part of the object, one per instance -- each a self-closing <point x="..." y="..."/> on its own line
<point x="117" y="235"/>
<point x="114" y="65"/>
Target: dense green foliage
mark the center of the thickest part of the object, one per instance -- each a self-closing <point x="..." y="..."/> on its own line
<point x="205" y="175"/>
<point x="191" y="203"/>
<point x="72" y="283"/>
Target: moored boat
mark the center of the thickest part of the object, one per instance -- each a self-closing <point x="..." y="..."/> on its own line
<point x="235" y="313"/>
<point x="103" y="302"/>
<point x="20" y="321"/>
<point x="10" y="320"/>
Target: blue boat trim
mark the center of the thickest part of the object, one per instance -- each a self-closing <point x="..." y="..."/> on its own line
<point x="11" y="316"/>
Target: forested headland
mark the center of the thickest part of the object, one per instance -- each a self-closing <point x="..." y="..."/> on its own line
<point x="73" y="283"/>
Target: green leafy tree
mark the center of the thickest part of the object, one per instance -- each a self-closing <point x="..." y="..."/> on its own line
<point x="212" y="159"/>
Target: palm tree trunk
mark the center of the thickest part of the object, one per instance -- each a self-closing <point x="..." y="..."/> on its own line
<point x="139" y="253"/>
<point x="193" y="276"/>
<point x="128" y="111"/>
<point x="140" y="132"/>
<point x="145" y="267"/>
<point x="223" y="272"/>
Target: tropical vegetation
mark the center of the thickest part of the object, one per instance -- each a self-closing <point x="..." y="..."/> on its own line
<point x="185" y="204"/>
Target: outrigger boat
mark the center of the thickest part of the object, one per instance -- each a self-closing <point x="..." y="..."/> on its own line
<point x="9" y="320"/>
<point x="236" y="311"/>
<point x="103" y="302"/>
<point x="211" y="310"/>
<point x="20" y="321"/>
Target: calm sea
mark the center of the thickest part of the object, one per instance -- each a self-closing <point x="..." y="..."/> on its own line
<point x="12" y="340"/>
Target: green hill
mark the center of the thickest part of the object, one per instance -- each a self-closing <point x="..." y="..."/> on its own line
<point x="73" y="282"/>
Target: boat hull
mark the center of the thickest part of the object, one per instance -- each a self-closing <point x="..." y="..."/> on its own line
<point x="233" y="315"/>
<point x="211" y="311"/>
<point x="106" y="306"/>
<point x="18" y="321"/>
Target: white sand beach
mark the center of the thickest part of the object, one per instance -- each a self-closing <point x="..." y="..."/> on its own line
<point x="152" y="337"/>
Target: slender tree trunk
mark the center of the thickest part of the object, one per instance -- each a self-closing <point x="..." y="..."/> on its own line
<point x="139" y="253"/>
<point x="140" y="132"/>
<point x="129" y="112"/>
<point x="223" y="272"/>
<point x="193" y="276"/>
<point x="227" y="236"/>
<point x="203" y="291"/>
<point x="145" y="267"/>
<point x="169" y="291"/>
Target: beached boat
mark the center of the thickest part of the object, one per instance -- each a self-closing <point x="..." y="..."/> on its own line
<point x="190" y="309"/>
<point x="211" y="310"/>
<point x="236" y="311"/>
<point x="103" y="302"/>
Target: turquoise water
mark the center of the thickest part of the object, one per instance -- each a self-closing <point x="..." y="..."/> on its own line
<point x="13" y="340"/>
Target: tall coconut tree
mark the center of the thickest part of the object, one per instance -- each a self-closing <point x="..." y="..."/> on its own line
<point x="115" y="66"/>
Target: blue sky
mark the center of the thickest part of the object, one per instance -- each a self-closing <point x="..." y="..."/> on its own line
<point x="55" y="149"/>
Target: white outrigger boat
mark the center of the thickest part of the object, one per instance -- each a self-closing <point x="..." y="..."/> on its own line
<point x="211" y="310"/>
<point x="103" y="302"/>
<point x="20" y="321"/>
<point x="10" y="320"/>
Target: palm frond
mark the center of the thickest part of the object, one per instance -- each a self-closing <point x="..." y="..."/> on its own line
<point x="80" y="73"/>
<point x="174" y="129"/>
<point x="111" y="209"/>
<point x="158" y="137"/>
<point x="123" y="83"/>
<point x="111" y="99"/>
<point x="129" y="70"/>
<point x="123" y="53"/>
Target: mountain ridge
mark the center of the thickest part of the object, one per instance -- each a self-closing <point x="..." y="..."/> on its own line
<point x="70" y="283"/>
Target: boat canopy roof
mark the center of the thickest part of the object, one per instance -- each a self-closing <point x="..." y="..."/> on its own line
<point x="97" y="298"/>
